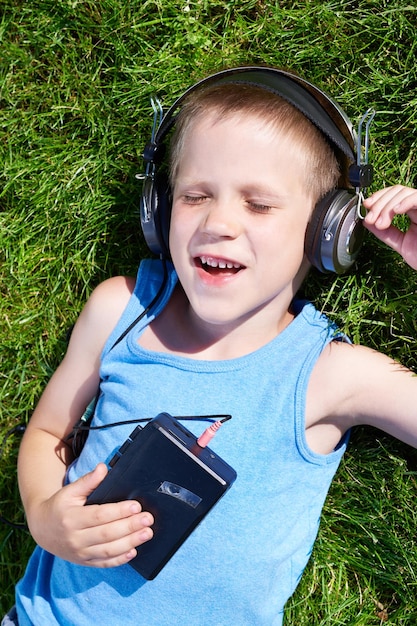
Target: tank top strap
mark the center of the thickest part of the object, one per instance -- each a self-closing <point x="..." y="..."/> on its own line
<point x="155" y="283"/>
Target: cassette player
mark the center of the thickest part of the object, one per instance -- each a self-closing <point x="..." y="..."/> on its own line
<point x="163" y="467"/>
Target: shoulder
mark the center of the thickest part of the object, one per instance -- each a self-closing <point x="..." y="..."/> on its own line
<point x="353" y="384"/>
<point x="102" y="312"/>
<point x="114" y="292"/>
<point x="75" y="381"/>
<point x="350" y="375"/>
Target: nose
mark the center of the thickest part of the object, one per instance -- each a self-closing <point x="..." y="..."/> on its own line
<point x="221" y="219"/>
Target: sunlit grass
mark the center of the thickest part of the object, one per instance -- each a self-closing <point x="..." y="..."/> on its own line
<point x="75" y="81"/>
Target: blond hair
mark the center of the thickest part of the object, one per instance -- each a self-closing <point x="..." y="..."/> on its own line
<point x="322" y="171"/>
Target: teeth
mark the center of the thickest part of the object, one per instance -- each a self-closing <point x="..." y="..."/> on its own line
<point x="208" y="260"/>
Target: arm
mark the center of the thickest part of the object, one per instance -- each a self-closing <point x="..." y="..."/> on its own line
<point x="99" y="535"/>
<point x="362" y="385"/>
<point x="400" y="415"/>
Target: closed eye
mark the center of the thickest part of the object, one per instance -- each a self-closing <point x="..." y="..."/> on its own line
<point x="259" y="208"/>
<point x="194" y="199"/>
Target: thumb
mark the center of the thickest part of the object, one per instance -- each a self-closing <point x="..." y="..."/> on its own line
<point x="85" y="485"/>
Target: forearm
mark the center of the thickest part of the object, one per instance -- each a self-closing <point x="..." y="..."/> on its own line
<point x="42" y="465"/>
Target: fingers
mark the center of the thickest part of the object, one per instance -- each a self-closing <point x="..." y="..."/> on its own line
<point x="127" y="514"/>
<point x="391" y="236"/>
<point x="103" y="535"/>
<point x="100" y="535"/>
<point x="114" y="542"/>
<point x="384" y="204"/>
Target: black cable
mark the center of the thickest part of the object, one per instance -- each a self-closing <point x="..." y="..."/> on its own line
<point x="148" y="308"/>
<point x="78" y="435"/>
<point x="211" y="418"/>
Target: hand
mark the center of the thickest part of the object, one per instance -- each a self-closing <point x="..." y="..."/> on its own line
<point x="98" y="535"/>
<point x="382" y="207"/>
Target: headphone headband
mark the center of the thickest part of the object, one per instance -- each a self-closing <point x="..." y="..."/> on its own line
<point x="311" y="101"/>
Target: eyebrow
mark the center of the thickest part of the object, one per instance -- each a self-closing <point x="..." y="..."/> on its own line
<point x="261" y="190"/>
<point x="266" y="192"/>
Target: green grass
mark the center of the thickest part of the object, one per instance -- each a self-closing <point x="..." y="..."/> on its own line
<point x="75" y="81"/>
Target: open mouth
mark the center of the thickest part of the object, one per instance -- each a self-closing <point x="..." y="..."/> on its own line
<point x="215" y="266"/>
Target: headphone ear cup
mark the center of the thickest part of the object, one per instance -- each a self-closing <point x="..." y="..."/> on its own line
<point x="335" y="233"/>
<point x="155" y="213"/>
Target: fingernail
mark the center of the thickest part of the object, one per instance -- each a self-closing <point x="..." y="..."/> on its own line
<point x="145" y="534"/>
<point x="131" y="554"/>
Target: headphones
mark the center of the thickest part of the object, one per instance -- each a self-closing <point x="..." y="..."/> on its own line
<point x="335" y="232"/>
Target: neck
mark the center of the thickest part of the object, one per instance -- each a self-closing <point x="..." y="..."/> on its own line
<point x="179" y="331"/>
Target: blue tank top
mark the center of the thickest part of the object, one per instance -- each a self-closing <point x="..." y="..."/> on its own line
<point x="245" y="559"/>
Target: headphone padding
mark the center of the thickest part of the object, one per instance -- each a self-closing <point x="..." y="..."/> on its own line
<point x="335" y="232"/>
<point x="155" y="213"/>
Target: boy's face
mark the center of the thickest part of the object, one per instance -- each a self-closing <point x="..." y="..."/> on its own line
<point x="239" y="216"/>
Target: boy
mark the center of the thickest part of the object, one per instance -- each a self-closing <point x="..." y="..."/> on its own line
<point x="227" y="334"/>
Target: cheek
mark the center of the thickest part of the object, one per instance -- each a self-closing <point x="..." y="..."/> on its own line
<point x="289" y="233"/>
<point x="284" y="246"/>
<point x="180" y="231"/>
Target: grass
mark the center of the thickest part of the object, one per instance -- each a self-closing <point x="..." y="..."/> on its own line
<point x="75" y="81"/>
